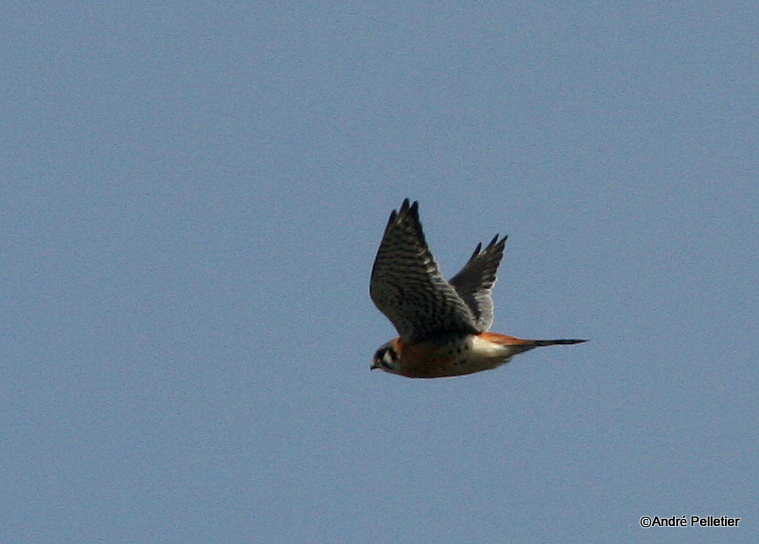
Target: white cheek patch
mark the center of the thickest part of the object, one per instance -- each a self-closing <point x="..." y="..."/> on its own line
<point x="389" y="358"/>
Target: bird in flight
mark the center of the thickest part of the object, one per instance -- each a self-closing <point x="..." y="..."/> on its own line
<point x="442" y="325"/>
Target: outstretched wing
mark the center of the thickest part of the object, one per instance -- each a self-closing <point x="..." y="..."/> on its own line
<point x="474" y="283"/>
<point x="407" y="285"/>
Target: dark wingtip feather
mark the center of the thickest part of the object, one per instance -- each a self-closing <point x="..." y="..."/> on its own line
<point x="495" y="243"/>
<point x="476" y="252"/>
<point x="408" y="206"/>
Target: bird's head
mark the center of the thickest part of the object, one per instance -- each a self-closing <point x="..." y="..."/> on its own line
<point x="386" y="358"/>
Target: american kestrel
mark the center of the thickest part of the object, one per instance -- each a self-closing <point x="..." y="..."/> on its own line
<point x="443" y="326"/>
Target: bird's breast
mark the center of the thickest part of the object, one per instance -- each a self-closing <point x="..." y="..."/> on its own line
<point x="452" y="357"/>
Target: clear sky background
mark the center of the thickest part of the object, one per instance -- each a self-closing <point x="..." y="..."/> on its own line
<point x="192" y="195"/>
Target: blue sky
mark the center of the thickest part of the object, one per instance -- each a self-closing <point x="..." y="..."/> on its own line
<point x="192" y="196"/>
